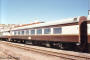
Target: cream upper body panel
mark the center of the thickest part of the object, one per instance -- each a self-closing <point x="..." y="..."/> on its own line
<point x="62" y="21"/>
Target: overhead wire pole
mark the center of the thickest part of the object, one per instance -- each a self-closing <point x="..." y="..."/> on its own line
<point x="0" y="11"/>
<point x="88" y="7"/>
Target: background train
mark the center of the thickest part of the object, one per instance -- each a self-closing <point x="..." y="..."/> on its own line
<point x="69" y="34"/>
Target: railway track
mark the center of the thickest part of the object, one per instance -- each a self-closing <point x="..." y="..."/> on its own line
<point x="5" y="56"/>
<point x="66" y="55"/>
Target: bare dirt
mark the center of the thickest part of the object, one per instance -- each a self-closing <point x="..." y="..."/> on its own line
<point x="21" y="54"/>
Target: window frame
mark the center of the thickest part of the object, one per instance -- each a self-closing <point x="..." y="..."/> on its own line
<point x="15" y="32"/>
<point x="39" y="32"/>
<point x="19" y="33"/>
<point x="22" y="32"/>
<point x="47" y="33"/>
<point x="31" y="32"/>
<point x="26" y="32"/>
<point x="60" y="30"/>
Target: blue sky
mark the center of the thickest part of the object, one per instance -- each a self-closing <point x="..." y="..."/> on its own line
<point x="26" y="11"/>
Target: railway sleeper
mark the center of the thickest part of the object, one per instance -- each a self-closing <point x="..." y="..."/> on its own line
<point x="50" y="44"/>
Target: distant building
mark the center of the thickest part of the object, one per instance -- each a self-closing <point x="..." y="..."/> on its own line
<point x="7" y="27"/>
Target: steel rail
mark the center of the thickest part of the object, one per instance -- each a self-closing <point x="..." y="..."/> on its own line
<point x="63" y="54"/>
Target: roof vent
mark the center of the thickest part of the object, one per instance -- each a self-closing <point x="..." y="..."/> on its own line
<point x="75" y="19"/>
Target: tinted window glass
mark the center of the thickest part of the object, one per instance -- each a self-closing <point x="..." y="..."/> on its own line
<point x="39" y="31"/>
<point x="18" y="32"/>
<point x="47" y="31"/>
<point x="32" y="32"/>
<point x="57" y="30"/>
<point x="22" y="32"/>
<point x="27" y="32"/>
<point x="15" y="32"/>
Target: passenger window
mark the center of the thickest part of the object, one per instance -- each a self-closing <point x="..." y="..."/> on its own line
<point x="27" y="32"/>
<point x="32" y="32"/>
<point x="39" y="31"/>
<point x="47" y="31"/>
<point x="22" y="32"/>
<point x="15" y="32"/>
<point x="57" y="30"/>
<point x="18" y="32"/>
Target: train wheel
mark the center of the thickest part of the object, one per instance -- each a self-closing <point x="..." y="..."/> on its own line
<point x="61" y="46"/>
<point x="48" y="45"/>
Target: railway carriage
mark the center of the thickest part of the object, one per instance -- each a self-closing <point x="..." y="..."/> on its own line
<point x="72" y="34"/>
